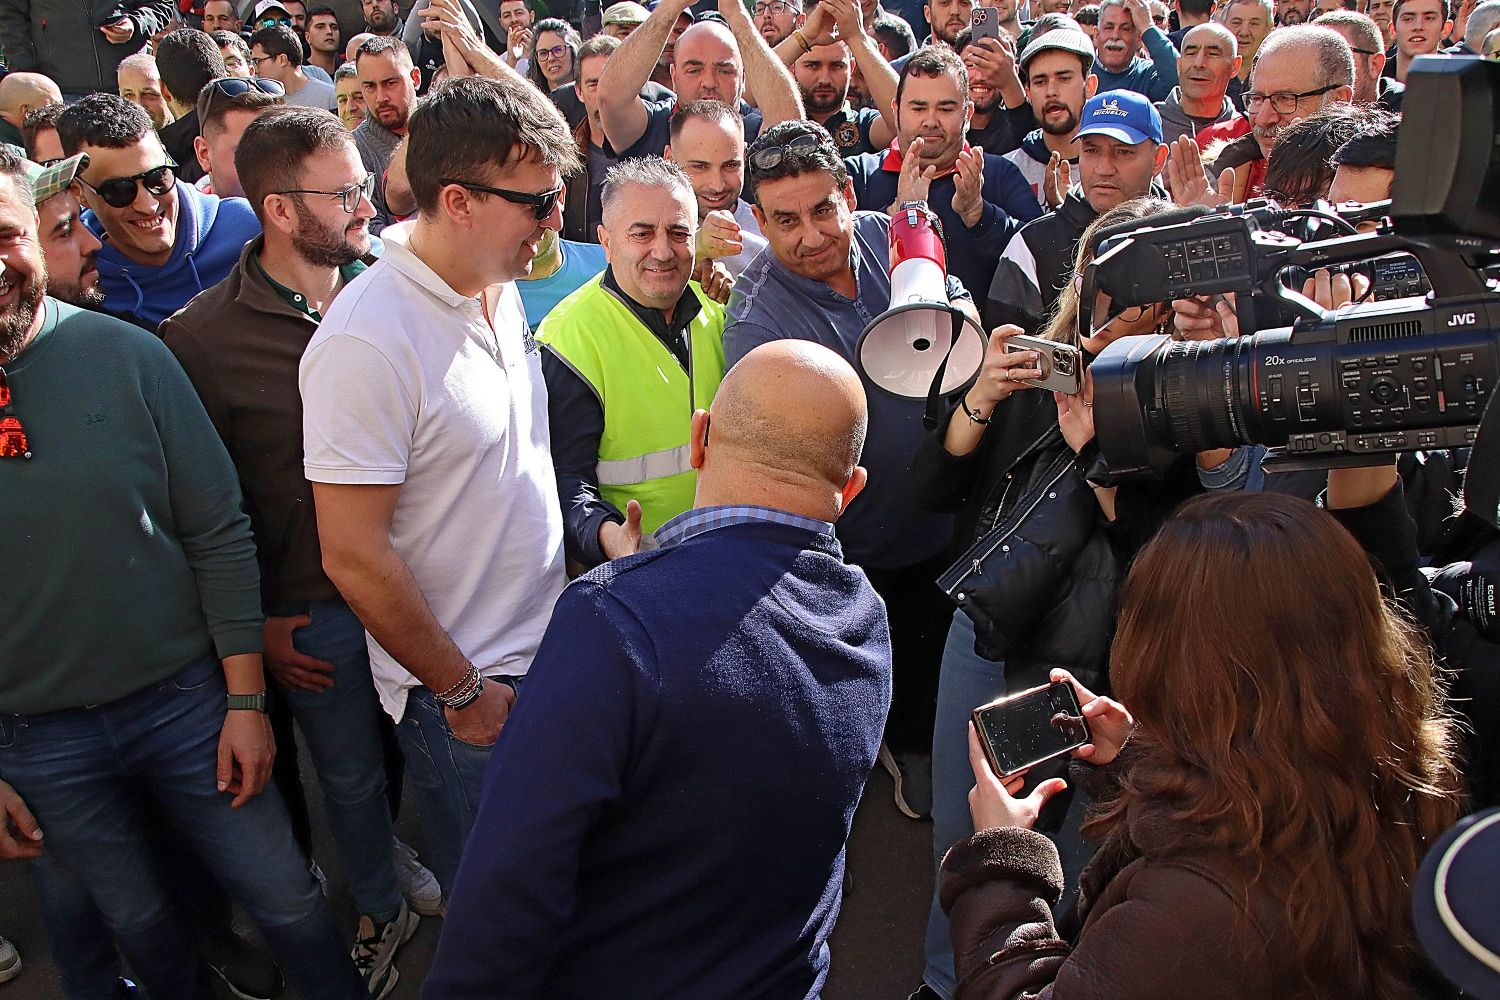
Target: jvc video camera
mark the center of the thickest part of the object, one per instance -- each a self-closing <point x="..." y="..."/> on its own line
<point x="1375" y="378"/>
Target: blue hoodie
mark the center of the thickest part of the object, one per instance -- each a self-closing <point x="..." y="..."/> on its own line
<point x="211" y="232"/>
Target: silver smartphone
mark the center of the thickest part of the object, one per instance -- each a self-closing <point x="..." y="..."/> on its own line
<point x="1061" y="364"/>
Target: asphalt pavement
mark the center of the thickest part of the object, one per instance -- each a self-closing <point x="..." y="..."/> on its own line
<point x="877" y="945"/>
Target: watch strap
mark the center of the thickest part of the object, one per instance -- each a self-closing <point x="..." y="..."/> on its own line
<point x="246" y="702"/>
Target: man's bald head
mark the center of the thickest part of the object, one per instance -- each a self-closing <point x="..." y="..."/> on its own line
<point x="706" y="65"/>
<point x="20" y="92"/>
<point x="786" y="430"/>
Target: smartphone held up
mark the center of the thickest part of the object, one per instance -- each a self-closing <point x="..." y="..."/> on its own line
<point x="1023" y="730"/>
<point x="1061" y="365"/>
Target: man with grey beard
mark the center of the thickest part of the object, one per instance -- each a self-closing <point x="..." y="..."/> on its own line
<point x="240" y="342"/>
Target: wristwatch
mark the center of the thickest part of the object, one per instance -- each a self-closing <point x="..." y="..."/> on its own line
<point x="246" y="702"/>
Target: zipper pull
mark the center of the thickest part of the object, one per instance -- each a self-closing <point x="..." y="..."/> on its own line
<point x="976" y="567"/>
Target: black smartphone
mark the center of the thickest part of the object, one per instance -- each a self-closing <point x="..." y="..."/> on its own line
<point x="1026" y="729"/>
<point x="112" y="17"/>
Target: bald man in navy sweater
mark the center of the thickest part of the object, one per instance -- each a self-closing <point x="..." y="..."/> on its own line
<point x="666" y="808"/>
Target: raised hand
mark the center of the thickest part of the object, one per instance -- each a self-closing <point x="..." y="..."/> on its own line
<point x="968" y="186"/>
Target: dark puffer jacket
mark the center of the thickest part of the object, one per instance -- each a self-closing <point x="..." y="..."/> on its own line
<point x="1042" y="566"/>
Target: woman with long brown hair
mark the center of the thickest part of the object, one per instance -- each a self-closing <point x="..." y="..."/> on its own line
<point x="1275" y="765"/>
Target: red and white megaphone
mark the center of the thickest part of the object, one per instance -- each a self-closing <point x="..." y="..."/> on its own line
<point x="921" y="347"/>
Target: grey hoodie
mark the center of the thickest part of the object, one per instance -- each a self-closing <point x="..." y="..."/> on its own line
<point x="1177" y="122"/>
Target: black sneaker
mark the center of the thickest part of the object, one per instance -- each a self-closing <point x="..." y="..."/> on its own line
<point x="912" y="775"/>
<point x="249" y="972"/>
<point x="375" y="949"/>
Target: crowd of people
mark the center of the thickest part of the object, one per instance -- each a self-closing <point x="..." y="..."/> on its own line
<point x="466" y="400"/>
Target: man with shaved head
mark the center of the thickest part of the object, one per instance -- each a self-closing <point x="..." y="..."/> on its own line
<point x="710" y="61"/>
<point x="19" y="93"/>
<point x="680" y="776"/>
<point x="1210" y="59"/>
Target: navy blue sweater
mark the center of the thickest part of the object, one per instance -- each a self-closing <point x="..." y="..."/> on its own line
<point x="972" y="252"/>
<point x="666" y="809"/>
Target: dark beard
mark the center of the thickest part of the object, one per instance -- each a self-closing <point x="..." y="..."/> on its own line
<point x="15" y="325"/>
<point x="825" y="108"/>
<point x="1067" y="126"/>
<point x="322" y="246"/>
<point x="75" y="294"/>
<point x="988" y="107"/>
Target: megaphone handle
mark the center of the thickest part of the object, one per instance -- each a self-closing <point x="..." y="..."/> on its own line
<point x="934" y="414"/>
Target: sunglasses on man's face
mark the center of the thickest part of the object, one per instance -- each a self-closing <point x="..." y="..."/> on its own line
<point x="542" y="204"/>
<point x="120" y="192"/>
<point x="13" y="443"/>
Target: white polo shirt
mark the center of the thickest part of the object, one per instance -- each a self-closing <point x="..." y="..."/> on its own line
<point x="406" y="383"/>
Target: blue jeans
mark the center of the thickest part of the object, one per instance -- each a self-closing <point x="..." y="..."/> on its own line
<point x="449" y="776"/>
<point x="967" y="681"/>
<point x="82" y="947"/>
<point x="90" y="775"/>
<point x="341" y="726"/>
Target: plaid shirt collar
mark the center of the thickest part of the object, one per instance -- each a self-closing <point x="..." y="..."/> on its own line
<point x="705" y="519"/>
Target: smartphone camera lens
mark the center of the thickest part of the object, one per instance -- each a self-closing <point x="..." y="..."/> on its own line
<point x="1062" y="362"/>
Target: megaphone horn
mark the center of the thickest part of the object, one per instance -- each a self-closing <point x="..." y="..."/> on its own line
<point x="921" y="347"/>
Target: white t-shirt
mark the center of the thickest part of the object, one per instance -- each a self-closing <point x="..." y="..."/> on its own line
<point x="315" y="94"/>
<point x="406" y="383"/>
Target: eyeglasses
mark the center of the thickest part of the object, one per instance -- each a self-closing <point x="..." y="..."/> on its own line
<point x="556" y="52"/>
<point x="261" y="59"/>
<point x="1364" y="52"/>
<point x="1283" y="104"/>
<point x="541" y="204"/>
<point x="265" y="21"/>
<point x="230" y="87"/>
<point x="120" y="192"/>
<point x="768" y="157"/>
<point x="776" y="8"/>
<point x="349" y="197"/>
<point x="13" y="443"/>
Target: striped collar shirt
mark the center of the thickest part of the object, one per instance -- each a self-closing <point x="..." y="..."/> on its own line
<point x="704" y="519"/>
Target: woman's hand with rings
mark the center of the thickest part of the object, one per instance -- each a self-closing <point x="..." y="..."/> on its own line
<point x="1002" y="372"/>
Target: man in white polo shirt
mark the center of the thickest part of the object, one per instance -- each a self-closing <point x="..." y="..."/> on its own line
<point x="426" y="441"/>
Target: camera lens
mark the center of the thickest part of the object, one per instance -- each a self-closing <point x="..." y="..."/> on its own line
<point x="1062" y="362"/>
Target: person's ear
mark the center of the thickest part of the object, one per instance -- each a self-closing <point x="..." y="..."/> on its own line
<point x="416" y="77"/>
<point x="666" y="153"/>
<point x="603" y="235"/>
<point x="760" y="217"/>
<point x="1377" y="64"/>
<point x="853" y="487"/>
<point x="1091" y="87"/>
<point x="698" y="439"/>
<point x="274" y="208"/>
<point x="849" y="195"/>
<point x="200" y="150"/>
<point x="1240" y="61"/>
<point x="1161" y="156"/>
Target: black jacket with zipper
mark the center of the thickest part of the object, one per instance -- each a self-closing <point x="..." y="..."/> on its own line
<point x="1041" y="572"/>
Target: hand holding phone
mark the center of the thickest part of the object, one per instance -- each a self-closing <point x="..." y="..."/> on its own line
<point x="1061" y="365"/>
<point x="1023" y="730"/>
<point x="984" y="22"/>
<point x="1110" y="723"/>
<point x="993" y="802"/>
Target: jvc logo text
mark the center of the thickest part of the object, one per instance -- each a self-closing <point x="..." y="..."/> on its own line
<point x="1463" y="319"/>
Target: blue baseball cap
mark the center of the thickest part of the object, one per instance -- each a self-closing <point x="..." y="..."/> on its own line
<point x="1454" y="910"/>
<point x="1120" y="114"/>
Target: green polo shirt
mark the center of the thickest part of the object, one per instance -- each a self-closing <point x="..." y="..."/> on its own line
<point x="297" y="300"/>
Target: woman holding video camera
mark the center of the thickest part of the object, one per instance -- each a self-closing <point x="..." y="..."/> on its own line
<point x="1267" y="782"/>
<point x="1048" y="538"/>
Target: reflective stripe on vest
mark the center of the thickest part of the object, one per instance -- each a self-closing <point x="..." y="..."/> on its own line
<point x="643" y="468"/>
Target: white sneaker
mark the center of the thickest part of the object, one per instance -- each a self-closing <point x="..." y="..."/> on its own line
<point x="10" y="961"/>
<point x="418" y="884"/>
<point x="375" y="948"/>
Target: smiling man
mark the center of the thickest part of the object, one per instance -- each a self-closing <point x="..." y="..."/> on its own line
<point x="1210" y="59"/>
<point x="1421" y="26"/>
<point x="166" y="241"/>
<point x="628" y="358"/>
<point x="708" y="142"/>
<point x="1251" y="22"/>
<point x="140" y="83"/>
<point x="70" y="250"/>
<point x="1057" y="70"/>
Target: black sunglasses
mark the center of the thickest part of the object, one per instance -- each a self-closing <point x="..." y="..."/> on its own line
<point x="236" y="86"/>
<point x="119" y="192"/>
<point x="542" y="204"/>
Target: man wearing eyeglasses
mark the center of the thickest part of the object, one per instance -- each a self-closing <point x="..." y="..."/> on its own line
<point x="1371" y="85"/>
<point x="120" y="490"/>
<point x="164" y="241"/>
<point x="240" y="343"/>
<point x="777" y="19"/>
<point x="426" y="441"/>
<point x="711" y="60"/>
<point x="276" y="52"/>
<point x="1299" y="70"/>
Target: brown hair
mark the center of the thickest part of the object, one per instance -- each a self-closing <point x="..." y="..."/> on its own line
<point x="1289" y="721"/>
